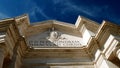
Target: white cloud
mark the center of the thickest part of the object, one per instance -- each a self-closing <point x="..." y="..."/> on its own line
<point x="69" y="6"/>
<point x="92" y="10"/>
<point x="41" y="12"/>
<point x="59" y="1"/>
<point x="34" y="8"/>
<point x="3" y="15"/>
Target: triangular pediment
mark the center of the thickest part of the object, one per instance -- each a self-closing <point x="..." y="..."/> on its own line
<point x="80" y="32"/>
<point x="48" y="25"/>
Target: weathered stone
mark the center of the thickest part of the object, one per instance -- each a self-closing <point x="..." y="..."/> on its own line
<point x="56" y="44"/>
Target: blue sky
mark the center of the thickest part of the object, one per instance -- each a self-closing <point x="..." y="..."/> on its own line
<point x="62" y="10"/>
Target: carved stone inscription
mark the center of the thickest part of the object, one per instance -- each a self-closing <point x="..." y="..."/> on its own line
<point x="54" y="39"/>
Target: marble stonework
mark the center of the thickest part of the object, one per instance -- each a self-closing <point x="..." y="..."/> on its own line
<point x="56" y="44"/>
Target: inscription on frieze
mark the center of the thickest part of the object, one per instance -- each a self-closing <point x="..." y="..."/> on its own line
<point x="54" y="39"/>
<point x="46" y="43"/>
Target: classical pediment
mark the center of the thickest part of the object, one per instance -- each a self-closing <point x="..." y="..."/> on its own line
<point x="48" y="25"/>
<point x="78" y="35"/>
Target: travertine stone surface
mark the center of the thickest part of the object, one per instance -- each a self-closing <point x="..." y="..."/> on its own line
<point x="56" y="44"/>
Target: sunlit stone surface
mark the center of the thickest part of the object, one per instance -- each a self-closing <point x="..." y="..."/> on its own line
<point x="56" y="44"/>
<point x="62" y="40"/>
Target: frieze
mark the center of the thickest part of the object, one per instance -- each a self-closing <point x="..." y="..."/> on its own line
<point x="55" y="39"/>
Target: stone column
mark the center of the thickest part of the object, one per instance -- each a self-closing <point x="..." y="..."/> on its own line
<point x="1" y="57"/>
<point x="118" y="54"/>
<point x="107" y="64"/>
<point x="103" y="62"/>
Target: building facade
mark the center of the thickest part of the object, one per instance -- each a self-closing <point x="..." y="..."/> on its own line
<point x="56" y="44"/>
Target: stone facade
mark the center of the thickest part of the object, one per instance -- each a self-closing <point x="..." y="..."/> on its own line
<point x="55" y="44"/>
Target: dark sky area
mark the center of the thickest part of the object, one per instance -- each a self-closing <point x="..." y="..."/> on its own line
<point x="62" y="10"/>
